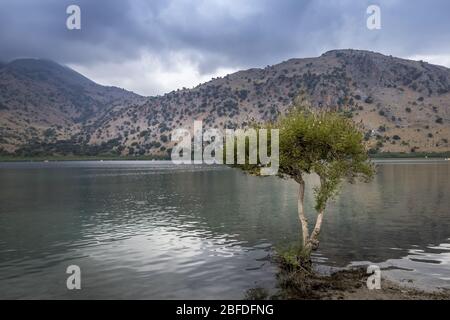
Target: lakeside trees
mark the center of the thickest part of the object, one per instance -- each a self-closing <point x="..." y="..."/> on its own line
<point x="323" y="143"/>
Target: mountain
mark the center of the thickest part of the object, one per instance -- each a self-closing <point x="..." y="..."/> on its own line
<point x="402" y="105"/>
<point x="42" y="101"/>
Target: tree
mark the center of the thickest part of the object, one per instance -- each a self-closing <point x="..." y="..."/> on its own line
<point x="323" y="143"/>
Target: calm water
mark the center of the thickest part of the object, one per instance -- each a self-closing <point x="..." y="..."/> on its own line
<point x="153" y="230"/>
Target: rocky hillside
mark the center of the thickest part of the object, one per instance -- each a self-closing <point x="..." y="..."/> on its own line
<point x="401" y="105"/>
<point x="44" y="102"/>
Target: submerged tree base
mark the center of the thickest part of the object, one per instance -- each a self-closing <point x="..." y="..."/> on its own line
<point x="298" y="281"/>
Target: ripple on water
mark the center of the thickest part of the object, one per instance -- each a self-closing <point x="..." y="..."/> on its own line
<point x="150" y="230"/>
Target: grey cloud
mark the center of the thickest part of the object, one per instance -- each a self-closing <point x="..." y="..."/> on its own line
<point x="217" y="33"/>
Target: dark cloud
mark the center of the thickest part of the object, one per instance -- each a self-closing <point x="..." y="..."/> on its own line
<point x="215" y="34"/>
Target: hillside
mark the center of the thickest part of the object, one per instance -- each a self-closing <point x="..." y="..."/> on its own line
<point x="402" y="105"/>
<point x="43" y="102"/>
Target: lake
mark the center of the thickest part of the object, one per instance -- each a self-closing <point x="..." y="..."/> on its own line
<point x="154" y="230"/>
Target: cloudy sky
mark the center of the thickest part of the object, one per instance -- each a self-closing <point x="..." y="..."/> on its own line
<point x="155" y="46"/>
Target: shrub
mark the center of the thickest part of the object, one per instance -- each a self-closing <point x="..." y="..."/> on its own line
<point x="369" y="100"/>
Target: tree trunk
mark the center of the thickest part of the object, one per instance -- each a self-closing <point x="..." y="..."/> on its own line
<point x="301" y="212"/>
<point x="310" y="242"/>
<point x="314" y="238"/>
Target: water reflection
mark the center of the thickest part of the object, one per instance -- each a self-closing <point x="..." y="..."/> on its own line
<point x="154" y="230"/>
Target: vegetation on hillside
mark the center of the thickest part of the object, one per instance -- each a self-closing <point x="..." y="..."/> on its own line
<point x="402" y="105"/>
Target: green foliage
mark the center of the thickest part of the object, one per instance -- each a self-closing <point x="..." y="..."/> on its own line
<point x="292" y="257"/>
<point x="288" y="257"/>
<point x="66" y="148"/>
<point x="49" y="133"/>
<point x="164" y="138"/>
<point x="324" y="143"/>
<point x="369" y="100"/>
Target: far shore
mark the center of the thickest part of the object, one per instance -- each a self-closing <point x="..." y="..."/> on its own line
<point x="81" y="158"/>
<point x="381" y="156"/>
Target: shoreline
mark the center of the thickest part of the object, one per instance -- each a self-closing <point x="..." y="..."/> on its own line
<point x="72" y="159"/>
<point x="387" y="156"/>
<point x="345" y="284"/>
<point x="353" y="287"/>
